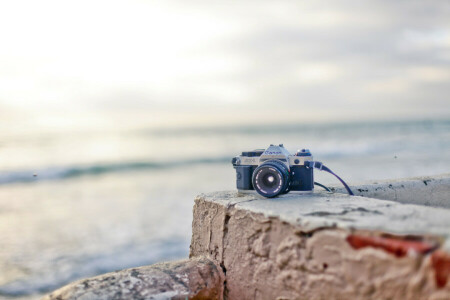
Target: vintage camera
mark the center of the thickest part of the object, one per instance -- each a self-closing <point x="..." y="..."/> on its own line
<point x="274" y="171"/>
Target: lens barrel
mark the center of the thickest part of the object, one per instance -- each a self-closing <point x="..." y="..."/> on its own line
<point x="271" y="178"/>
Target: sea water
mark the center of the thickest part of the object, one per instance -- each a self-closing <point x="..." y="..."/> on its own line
<point x="78" y="204"/>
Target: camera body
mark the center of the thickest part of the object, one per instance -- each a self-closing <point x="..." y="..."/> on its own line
<point x="274" y="171"/>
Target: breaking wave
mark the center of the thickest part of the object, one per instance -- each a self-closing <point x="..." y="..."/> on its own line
<point x="58" y="173"/>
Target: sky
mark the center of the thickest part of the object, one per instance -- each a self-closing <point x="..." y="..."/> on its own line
<point x="95" y="64"/>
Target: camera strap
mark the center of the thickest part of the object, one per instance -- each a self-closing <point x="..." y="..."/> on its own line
<point x="322" y="167"/>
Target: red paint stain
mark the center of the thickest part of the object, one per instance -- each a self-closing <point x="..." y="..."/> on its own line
<point x="441" y="265"/>
<point x="397" y="246"/>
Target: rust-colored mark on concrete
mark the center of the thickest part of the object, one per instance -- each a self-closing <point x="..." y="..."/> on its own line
<point x="397" y="246"/>
<point x="441" y="265"/>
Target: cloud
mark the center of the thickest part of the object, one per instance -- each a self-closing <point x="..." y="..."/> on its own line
<point x="336" y="58"/>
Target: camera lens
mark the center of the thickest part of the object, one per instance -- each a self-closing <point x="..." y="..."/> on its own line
<point x="271" y="178"/>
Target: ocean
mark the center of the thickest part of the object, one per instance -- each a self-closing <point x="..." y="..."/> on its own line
<point x="77" y="204"/>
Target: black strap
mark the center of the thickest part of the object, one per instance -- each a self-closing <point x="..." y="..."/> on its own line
<point x="322" y="186"/>
<point x="322" y="167"/>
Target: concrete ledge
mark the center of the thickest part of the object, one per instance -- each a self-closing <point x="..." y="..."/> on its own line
<point x="312" y="246"/>
<point x="198" y="278"/>
<point x="323" y="246"/>
<point x="429" y="191"/>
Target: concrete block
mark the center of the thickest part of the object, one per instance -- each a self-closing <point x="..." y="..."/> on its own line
<point x="323" y="246"/>
<point x="311" y="246"/>
<point x="429" y="191"/>
<point x="198" y="278"/>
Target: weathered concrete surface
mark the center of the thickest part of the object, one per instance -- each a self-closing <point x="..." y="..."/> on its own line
<point x="198" y="278"/>
<point x="313" y="246"/>
<point x="429" y="191"/>
<point x="323" y="246"/>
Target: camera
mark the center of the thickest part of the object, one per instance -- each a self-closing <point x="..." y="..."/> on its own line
<point x="274" y="171"/>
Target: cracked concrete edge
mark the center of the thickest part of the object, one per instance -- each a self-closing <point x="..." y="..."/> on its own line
<point x="226" y="198"/>
<point x="326" y="210"/>
<point x="198" y="278"/>
<point x="266" y="257"/>
<point x="425" y="190"/>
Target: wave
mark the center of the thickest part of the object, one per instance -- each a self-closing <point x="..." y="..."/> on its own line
<point x="426" y="125"/>
<point x="62" y="270"/>
<point x="58" y="173"/>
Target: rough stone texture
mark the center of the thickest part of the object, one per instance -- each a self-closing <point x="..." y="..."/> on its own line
<point x="429" y="191"/>
<point x="323" y="246"/>
<point x="198" y="278"/>
<point x="311" y="246"/>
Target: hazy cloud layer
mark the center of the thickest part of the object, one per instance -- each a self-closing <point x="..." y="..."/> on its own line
<point x="323" y="59"/>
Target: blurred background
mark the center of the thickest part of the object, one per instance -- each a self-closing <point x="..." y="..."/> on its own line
<point x="115" y="114"/>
